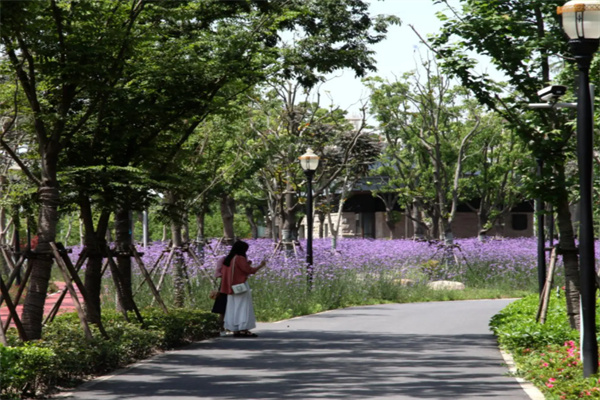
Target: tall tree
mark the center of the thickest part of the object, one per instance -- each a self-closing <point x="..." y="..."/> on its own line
<point x="51" y="48"/>
<point x="288" y="122"/>
<point x="428" y="131"/>
<point x="495" y="170"/>
<point x="521" y="39"/>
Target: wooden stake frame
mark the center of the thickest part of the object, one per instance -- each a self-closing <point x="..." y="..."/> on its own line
<point x="545" y="296"/>
<point x="70" y="275"/>
<point x="148" y="278"/>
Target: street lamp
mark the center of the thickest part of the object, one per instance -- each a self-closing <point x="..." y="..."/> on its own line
<point x="581" y="23"/>
<point x="309" y="162"/>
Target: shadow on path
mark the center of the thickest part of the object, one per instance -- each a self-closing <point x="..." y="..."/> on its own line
<point x="283" y="364"/>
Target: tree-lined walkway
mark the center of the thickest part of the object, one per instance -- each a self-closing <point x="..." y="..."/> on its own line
<point x="441" y="350"/>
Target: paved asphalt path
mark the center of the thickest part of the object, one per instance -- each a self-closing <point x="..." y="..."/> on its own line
<point x="441" y="350"/>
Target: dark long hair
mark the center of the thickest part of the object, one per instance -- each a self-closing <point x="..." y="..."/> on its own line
<point x="239" y="248"/>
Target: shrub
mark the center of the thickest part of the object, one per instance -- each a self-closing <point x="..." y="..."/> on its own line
<point x="547" y="354"/>
<point x="181" y="326"/>
<point x="64" y="357"/>
<point x="23" y="370"/>
<point x="517" y="328"/>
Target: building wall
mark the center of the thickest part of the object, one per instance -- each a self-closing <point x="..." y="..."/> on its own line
<point x="464" y="226"/>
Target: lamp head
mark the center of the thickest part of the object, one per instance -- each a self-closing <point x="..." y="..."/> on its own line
<point x="581" y="19"/>
<point x="309" y="161"/>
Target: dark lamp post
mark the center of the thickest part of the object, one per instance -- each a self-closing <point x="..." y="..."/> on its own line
<point x="309" y="162"/>
<point x="581" y="23"/>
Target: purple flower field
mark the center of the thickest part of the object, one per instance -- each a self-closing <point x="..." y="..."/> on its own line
<point x="401" y="258"/>
<point x="359" y="271"/>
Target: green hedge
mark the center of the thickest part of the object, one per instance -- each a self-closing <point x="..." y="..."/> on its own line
<point x="516" y="327"/>
<point x="24" y="369"/>
<point x="64" y="357"/>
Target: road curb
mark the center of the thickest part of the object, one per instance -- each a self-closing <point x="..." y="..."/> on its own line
<point x="529" y="388"/>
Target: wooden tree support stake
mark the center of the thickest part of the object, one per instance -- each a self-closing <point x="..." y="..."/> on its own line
<point x="118" y="278"/>
<point x="194" y="256"/>
<point x="140" y="264"/>
<point x="15" y="270"/>
<point x="13" y="311"/>
<point x="68" y="281"/>
<point x="5" y="296"/>
<point x="9" y="259"/>
<point x="50" y="317"/>
<point x="206" y="243"/>
<point x="166" y="268"/>
<point x="104" y="267"/>
<point x="18" y="294"/>
<point x="545" y="296"/>
<point x="152" y="270"/>
<point x="281" y="243"/>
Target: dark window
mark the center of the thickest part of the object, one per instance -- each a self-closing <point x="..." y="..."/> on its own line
<point x="519" y="222"/>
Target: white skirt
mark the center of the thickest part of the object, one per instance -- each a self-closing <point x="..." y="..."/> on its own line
<point x="239" y="315"/>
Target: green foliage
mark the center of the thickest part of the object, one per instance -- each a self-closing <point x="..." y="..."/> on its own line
<point x="24" y="370"/>
<point x="113" y="128"/>
<point x="517" y="328"/>
<point x="523" y="40"/>
<point x="556" y="370"/>
<point x="442" y="147"/>
<point x="279" y="298"/>
<point x="214" y="226"/>
<point x="64" y="357"/>
<point x="548" y="355"/>
<point x="181" y="326"/>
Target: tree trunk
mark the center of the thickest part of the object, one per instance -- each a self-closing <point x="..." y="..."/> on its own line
<point x="227" y="214"/>
<point x="253" y="225"/>
<point x="33" y="308"/>
<point x="200" y="227"/>
<point x="68" y="233"/>
<point x="3" y="265"/>
<point x="81" y="234"/>
<point x="482" y="221"/>
<point x="566" y="244"/>
<point x="435" y="224"/>
<point x="289" y="232"/>
<point x="95" y="243"/>
<point x="268" y="222"/>
<point x="178" y="262"/>
<point x="419" y="231"/>
<point x="321" y="217"/>
<point x="271" y="217"/>
<point x="200" y="235"/>
<point x="389" y="201"/>
<point x="185" y="228"/>
<point x="123" y="250"/>
<point x="178" y="265"/>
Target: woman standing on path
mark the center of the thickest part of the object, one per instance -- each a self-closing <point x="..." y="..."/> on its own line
<point x="239" y="314"/>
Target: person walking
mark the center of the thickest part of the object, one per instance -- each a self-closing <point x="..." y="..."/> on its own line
<point x="239" y="313"/>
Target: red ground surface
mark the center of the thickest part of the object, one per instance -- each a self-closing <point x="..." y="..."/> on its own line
<point x="66" y="305"/>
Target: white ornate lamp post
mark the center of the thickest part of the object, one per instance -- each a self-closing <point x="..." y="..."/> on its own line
<point x="309" y="162"/>
<point x="581" y="23"/>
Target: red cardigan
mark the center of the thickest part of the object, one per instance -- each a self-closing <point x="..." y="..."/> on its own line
<point x="240" y="273"/>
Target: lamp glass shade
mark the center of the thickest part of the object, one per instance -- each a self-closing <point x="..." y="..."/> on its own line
<point x="309" y="161"/>
<point x="581" y="19"/>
